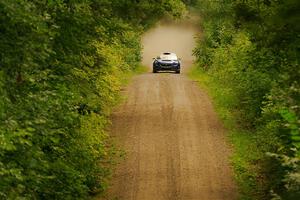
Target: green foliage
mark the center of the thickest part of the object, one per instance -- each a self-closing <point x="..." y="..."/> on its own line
<point x="62" y="64"/>
<point x="251" y="48"/>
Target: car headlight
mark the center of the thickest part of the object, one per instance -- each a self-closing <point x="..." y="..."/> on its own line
<point x="175" y="63"/>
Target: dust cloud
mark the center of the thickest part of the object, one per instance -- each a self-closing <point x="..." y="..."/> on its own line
<point x="170" y="36"/>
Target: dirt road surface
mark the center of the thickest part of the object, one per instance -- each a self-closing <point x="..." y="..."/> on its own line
<point x="174" y="141"/>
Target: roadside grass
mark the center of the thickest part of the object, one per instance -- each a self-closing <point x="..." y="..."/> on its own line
<point x="243" y="142"/>
<point x="127" y="77"/>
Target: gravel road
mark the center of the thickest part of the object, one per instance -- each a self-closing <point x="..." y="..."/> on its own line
<point x="174" y="141"/>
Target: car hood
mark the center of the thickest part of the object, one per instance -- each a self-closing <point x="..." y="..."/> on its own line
<point x="168" y="61"/>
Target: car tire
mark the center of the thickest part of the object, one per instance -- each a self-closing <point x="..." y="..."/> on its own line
<point x="177" y="72"/>
<point x="154" y="71"/>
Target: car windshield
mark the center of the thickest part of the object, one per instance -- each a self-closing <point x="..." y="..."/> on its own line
<point x="168" y="57"/>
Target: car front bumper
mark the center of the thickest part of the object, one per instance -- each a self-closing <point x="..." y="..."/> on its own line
<point x="166" y="68"/>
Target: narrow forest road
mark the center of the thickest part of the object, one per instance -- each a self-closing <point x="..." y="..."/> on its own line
<point x="174" y="141"/>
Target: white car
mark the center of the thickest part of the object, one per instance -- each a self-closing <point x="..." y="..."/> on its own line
<point x="166" y="62"/>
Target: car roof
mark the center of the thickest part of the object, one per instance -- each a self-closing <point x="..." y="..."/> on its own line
<point x="168" y="53"/>
<point x="168" y="56"/>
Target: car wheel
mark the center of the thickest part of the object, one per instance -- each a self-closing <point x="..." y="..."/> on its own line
<point x="178" y="72"/>
<point x="154" y="71"/>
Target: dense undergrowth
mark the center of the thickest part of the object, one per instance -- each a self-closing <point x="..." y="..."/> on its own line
<point x="248" y="57"/>
<point x="61" y="67"/>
